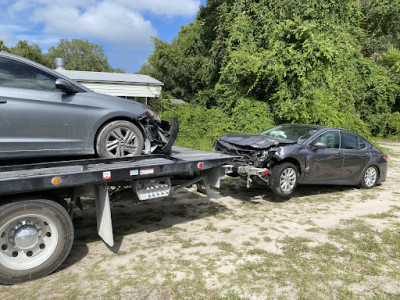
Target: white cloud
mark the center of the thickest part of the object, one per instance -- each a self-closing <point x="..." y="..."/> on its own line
<point x="171" y="8"/>
<point x="123" y="25"/>
<point x="106" y="21"/>
<point x="113" y="21"/>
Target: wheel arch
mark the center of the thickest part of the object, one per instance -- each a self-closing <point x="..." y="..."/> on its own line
<point x="6" y="199"/>
<point x="292" y="160"/>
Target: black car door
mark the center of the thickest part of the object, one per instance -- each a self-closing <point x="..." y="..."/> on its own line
<point x="324" y="165"/>
<point x="356" y="156"/>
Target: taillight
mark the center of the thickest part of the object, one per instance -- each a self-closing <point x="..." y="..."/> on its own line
<point x="385" y="157"/>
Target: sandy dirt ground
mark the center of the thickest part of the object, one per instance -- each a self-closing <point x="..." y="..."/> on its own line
<point x="190" y="246"/>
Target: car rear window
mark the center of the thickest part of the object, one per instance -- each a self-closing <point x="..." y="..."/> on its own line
<point x="350" y="141"/>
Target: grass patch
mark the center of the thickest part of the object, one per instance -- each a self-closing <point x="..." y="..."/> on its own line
<point x="267" y="239"/>
<point x="210" y="227"/>
<point x="384" y="215"/>
<point x="226" y="230"/>
<point x="313" y="229"/>
<point x="225" y="246"/>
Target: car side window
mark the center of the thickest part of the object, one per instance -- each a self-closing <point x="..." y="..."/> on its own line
<point x="19" y="75"/>
<point x="350" y="141"/>
<point x="330" y="139"/>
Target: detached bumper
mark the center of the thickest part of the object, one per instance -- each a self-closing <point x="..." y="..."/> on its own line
<point x="173" y="134"/>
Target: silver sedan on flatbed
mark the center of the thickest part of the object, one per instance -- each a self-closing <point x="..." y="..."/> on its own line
<point x="44" y="113"/>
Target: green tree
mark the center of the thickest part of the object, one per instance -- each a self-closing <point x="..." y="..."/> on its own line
<point x="3" y="47"/>
<point x="22" y="48"/>
<point x="80" y="55"/>
<point x="382" y="26"/>
<point x="182" y="65"/>
<point x="32" y="52"/>
<point x="297" y="61"/>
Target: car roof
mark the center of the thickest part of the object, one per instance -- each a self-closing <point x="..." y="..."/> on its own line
<point x="304" y="125"/>
<point x="324" y="128"/>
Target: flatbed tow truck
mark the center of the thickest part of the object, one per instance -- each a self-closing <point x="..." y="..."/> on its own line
<point x="37" y="201"/>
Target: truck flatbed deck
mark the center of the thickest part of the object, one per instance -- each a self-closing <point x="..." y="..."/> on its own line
<point x="37" y="201"/>
<point x="40" y="176"/>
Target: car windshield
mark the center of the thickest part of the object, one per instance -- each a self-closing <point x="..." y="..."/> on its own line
<point x="293" y="132"/>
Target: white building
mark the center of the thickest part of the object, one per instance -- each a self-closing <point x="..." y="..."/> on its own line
<point x="115" y="84"/>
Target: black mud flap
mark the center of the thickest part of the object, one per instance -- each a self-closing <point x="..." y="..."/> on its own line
<point x="174" y="134"/>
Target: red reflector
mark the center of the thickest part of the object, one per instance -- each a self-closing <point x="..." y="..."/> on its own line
<point x="265" y="172"/>
<point x="200" y="165"/>
<point x="107" y="175"/>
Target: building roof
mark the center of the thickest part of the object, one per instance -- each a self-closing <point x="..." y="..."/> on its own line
<point x="109" y="77"/>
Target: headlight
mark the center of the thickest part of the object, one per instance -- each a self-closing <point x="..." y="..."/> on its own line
<point x="153" y="114"/>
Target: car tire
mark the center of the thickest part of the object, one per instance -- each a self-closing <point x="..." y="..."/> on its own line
<point x="36" y="237"/>
<point x="369" y="177"/>
<point x="284" y="178"/>
<point x="119" y="139"/>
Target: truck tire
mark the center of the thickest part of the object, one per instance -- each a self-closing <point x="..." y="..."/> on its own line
<point x="119" y="139"/>
<point x="36" y="237"/>
<point x="284" y="178"/>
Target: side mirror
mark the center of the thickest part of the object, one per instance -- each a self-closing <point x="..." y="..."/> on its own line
<point x="320" y="145"/>
<point x="65" y="86"/>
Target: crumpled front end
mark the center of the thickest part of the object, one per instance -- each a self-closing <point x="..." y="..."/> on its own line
<point x="246" y="154"/>
<point x="160" y="135"/>
<point x="256" y="155"/>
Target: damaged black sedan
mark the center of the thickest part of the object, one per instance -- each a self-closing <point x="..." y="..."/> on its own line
<point x="292" y="154"/>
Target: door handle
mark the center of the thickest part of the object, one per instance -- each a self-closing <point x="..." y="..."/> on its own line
<point x="2" y="101"/>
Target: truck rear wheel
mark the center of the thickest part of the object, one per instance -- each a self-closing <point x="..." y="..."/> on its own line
<point x="36" y="236"/>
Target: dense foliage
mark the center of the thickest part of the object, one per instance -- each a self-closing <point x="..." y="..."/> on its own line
<point x="325" y="62"/>
<point x="79" y="55"/>
<point x="200" y="127"/>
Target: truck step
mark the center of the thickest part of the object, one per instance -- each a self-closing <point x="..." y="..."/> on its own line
<point x="152" y="188"/>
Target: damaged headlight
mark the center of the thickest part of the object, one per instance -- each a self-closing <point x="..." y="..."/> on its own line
<point x="153" y="114"/>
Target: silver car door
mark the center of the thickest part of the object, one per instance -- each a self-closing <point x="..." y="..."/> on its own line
<point x="35" y="117"/>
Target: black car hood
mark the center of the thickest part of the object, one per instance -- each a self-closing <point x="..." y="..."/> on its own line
<point x="256" y="141"/>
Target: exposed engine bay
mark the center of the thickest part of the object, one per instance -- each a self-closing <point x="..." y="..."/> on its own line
<point x="256" y="155"/>
<point x="253" y="150"/>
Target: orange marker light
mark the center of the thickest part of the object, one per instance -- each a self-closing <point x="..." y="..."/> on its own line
<point x="56" y="180"/>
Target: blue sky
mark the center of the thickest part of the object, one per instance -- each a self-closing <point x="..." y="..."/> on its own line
<point x="122" y="27"/>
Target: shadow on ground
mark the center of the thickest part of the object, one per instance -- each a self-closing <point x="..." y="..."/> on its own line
<point x="236" y="188"/>
<point x="130" y="216"/>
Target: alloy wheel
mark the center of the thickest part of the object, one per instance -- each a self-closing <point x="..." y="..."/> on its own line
<point x="122" y="142"/>
<point x="370" y="177"/>
<point x="287" y="180"/>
